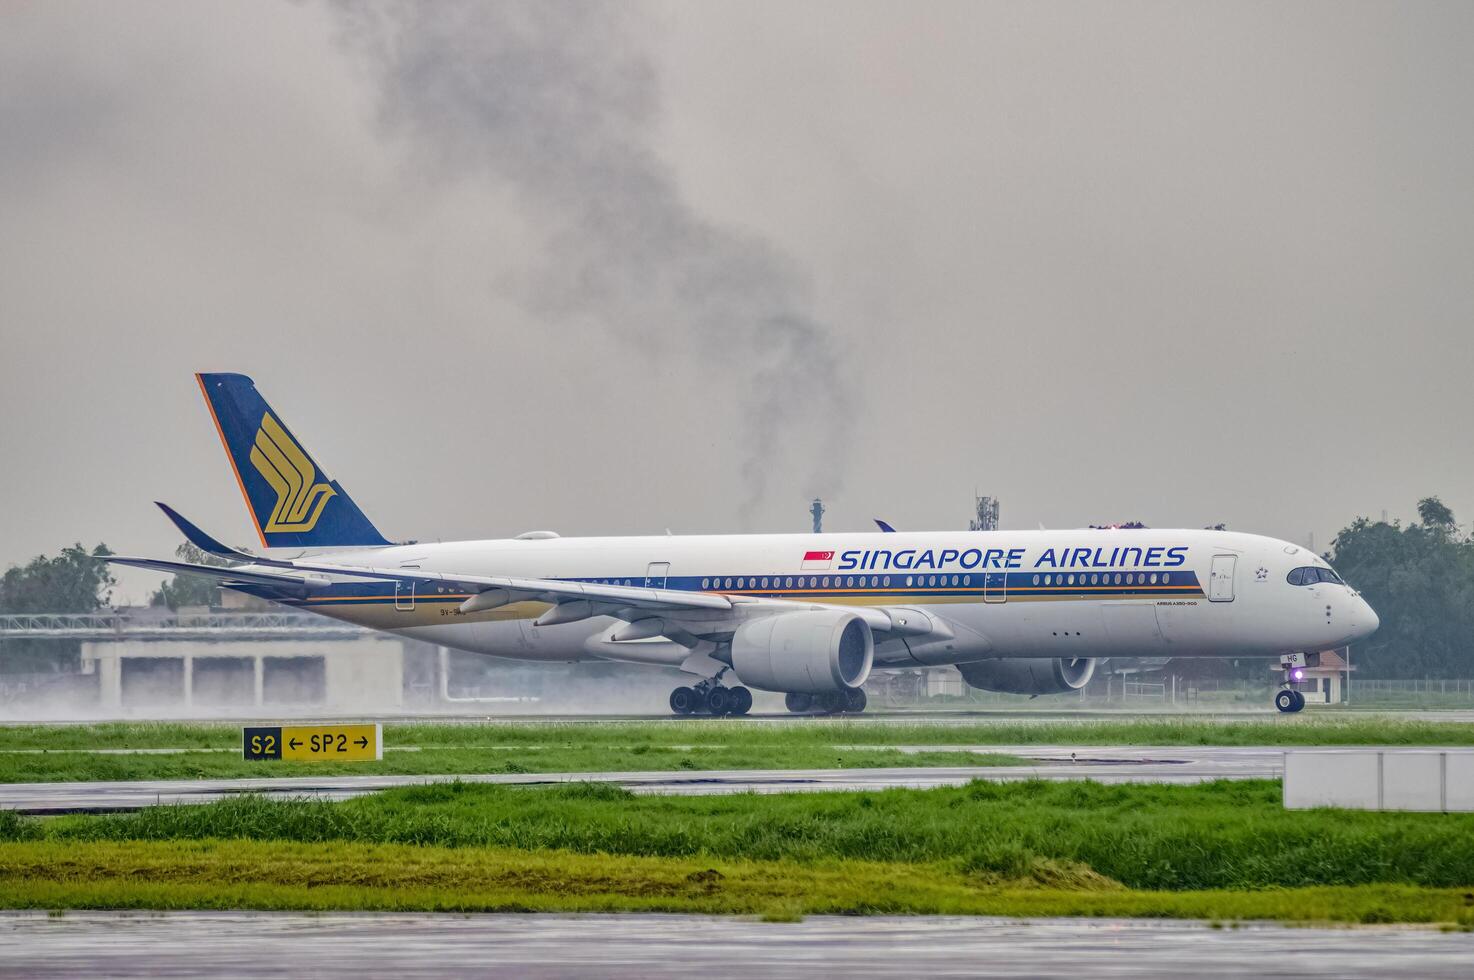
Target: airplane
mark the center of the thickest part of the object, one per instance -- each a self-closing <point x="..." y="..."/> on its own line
<point x="809" y="616"/>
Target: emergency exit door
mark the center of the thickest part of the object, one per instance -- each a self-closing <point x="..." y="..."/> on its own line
<point x="1220" y="579"/>
<point x="656" y="574"/>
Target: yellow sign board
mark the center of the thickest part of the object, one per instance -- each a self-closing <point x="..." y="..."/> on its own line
<point x="314" y="743"/>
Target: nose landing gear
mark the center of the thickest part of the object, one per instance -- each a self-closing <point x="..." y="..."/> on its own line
<point x="1287" y="699"/>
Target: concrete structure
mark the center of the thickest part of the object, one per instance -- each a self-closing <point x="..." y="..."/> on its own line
<point x="215" y="663"/>
<point x="1432" y="780"/>
<point x="366" y="674"/>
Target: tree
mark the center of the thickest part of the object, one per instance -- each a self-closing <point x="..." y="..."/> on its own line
<point x="1420" y="580"/>
<point x="1436" y="516"/>
<point x="72" y="582"/>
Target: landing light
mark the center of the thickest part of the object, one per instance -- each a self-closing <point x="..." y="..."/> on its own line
<point x="1299" y="674"/>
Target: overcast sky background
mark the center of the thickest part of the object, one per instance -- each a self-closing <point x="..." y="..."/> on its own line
<point x="615" y="269"/>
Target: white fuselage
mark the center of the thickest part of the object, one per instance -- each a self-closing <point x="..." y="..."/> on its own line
<point x="1070" y="594"/>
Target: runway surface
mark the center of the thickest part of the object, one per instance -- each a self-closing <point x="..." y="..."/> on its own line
<point x="333" y="945"/>
<point x="1120" y="764"/>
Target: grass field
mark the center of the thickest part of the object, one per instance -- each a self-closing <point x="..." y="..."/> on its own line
<point x="1222" y="850"/>
<point x="32" y="753"/>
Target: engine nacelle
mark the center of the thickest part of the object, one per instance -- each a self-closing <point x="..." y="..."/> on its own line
<point x="809" y="652"/>
<point x="1027" y="676"/>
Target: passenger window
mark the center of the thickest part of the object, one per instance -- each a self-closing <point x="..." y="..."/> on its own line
<point x="1154" y="578"/>
<point x="886" y="582"/>
<point x="1036" y="580"/>
<point x="706" y="583"/>
<point x="1049" y="580"/>
<point x="1166" y="577"/>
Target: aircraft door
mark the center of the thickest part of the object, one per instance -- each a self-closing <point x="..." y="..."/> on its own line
<point x="656" y="574"/>
<point x="1220" y="578"/>
<point x="404" y="596"/>
<point x="995" y="587"/>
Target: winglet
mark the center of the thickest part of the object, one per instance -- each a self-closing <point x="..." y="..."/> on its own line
<point x="199" y="538"/>
<point x="884" y="526"/>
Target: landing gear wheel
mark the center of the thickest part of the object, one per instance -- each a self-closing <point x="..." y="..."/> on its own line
<point x="1289" y="701"/>
<point x="683" y="700"/>
<point x="798" y="703"/>
<point x="741" y="700"/>
<point x="831" y="702"/>
<point x="719" y="701"/>
<point x="1299" y="701"/>
<point x="855" y="700"/>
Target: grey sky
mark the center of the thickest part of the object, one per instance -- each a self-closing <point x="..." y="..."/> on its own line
<point x="618" y="269"/>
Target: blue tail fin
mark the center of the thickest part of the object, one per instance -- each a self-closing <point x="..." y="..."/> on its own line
<point x="292" y="501"/>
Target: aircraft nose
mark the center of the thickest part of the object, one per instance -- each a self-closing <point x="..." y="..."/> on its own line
<point x="1366" y="618"/>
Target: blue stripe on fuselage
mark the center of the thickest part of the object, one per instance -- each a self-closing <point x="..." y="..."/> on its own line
<point x="910" y="588"/>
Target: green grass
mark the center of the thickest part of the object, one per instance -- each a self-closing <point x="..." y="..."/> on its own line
<point x="52" y="753"/>
<point x="1212" y="836"/>
<point x="397" y="877"/>
<point x="1219" y="851"/>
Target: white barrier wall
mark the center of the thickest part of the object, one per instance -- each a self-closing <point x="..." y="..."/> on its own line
<point x="1432" y="780"/>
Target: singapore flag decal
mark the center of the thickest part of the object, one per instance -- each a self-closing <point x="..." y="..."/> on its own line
<point x="817" y="561"/>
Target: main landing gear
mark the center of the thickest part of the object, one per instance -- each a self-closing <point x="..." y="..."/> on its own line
<point x="1287" y="699"/>
<point x="711" y="698"/>
<point x="849" y="701"/>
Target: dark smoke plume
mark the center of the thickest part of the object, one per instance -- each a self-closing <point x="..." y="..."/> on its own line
<point x="558" y="101"/>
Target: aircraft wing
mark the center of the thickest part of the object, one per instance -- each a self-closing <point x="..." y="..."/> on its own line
<point x="224" y="573"/>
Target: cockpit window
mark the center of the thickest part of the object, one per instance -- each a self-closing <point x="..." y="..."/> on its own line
<point x="1310" y="575"/>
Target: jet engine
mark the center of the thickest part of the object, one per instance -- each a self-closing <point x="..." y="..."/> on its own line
<point x="810" y="652"/>
<point x="1026" y="676"/>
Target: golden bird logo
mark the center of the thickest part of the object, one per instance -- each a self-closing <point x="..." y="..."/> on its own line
<point x="300" y="498"/>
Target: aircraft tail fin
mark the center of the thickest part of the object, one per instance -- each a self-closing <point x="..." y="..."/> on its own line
<point x="292" y="502"/>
